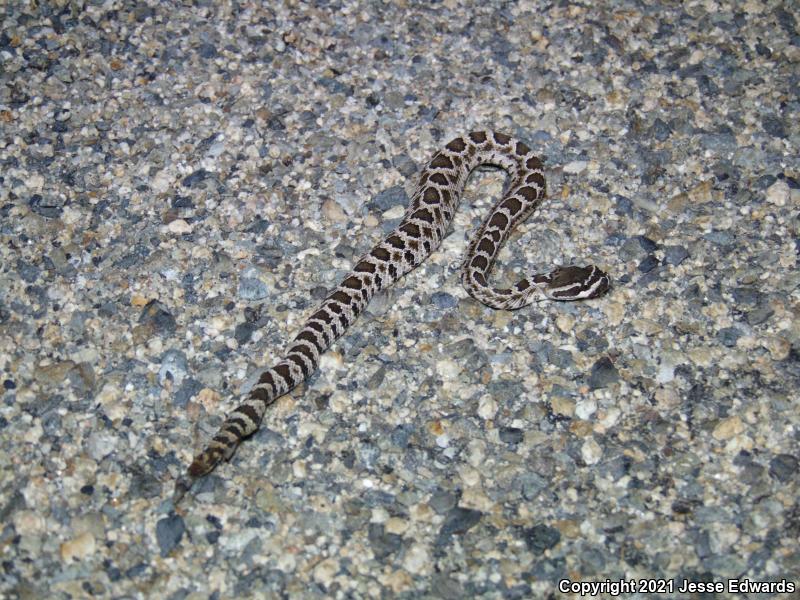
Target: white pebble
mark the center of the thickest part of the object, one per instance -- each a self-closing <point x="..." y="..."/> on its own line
<point x="591" y="452"/>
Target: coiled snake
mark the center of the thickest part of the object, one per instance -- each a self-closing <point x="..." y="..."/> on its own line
<point x="422" y="229"/>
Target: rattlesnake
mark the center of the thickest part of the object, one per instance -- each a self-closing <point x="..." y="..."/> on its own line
<point x="422" y="229"/>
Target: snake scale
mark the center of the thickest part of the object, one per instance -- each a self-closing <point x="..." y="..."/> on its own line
<point x="421" y="231"/>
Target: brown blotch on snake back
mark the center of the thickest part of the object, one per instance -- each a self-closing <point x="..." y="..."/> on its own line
<point x="257" y="393"/>
<point x="438" y="179"/>
<point x="498" y="220"/>
<point x="441" y="162"/>
<point x="380" y="253"/>
<point x="478" y="137"/>
<point x="528" y="193"/>
<point x="513" y="205"/>
<point x="365" y="266"/>
<point x="480" y="262"/>
<point x="340" y="296"/>
<point x="300" y="363"/>
<point x="250" y="412"/>
<point x="412" y="230"/>
<point x="353" y="283"/>
<point x="457" y="145"/>
<point x="431" y="196"/>
<point x="486" y="246"/>
<point x="395" y="241"/>
<point x="283" y="370"/>
<point x="533" y="163"/>
<point x="423" y="214"/>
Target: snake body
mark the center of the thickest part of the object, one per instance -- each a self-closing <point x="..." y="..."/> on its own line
<point x="424" y="226"/>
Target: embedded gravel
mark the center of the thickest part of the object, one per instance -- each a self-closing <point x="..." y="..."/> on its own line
<point x="181" y="183"/>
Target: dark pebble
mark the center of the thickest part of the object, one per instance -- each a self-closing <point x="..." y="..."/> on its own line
<point x="107" y="309"/>
<point x="783" y="467"/>
<point x="258" y="225"/>
<point x="182" y="202"/>
<point x="532" y="485"/>
<point x="144" y="485"/>
<point x="541" y="537"/>
<point x="633" y="250"/>
<point x="207" y="51"/>
<point x="157" y="315"/>
<point x="759" y="315"/>
<point x="793" y="183"/>
<point x="603" y="373"/>
<point x="389" y="198"/>
<point x="511" y="435"/>
<point x="660" y="130"/>
<point x="623" y="206"/>
<point x="774" y="127"/>
<point x="169" y="532"/>
<point x="459" y="520"/>
<point x="383" y="544"/>
<point x="404" y="164"/>
<point x="763" y="50"/>
<point x="728" y="336"/>
<point x="443" y="300"/>
<point x="142" y="13"/>
<point x="746" y="296"/>
<point x="675" y="255"/>
<point x="9" y="385"/>
<point x="648" y="264"/>
<point x="718" y="143"/>
<point x="722" y="238"/>
<point x="401" y="435"/>
<point x="442" y="501"/>
<point x="189" y="389"/>
<point x="375" y="381"/>
<point x="243" y="332"/>
<point x="765" y="181"/>
<point x="47" y="208"/>
<point x="136" y="570"/>
<point x="344" y="250"/>
<point x="195" y="178"/>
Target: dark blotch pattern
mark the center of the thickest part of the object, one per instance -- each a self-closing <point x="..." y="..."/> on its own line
<point x="486" y="246"/>
<point x="441" y="162"/>
<point x="380" y="253"/>
<point x="423" y="214"/>
<point x="438" y="179"/>
<point x="498" y="220"/>
<point x="457" y="145"/>
<point x="513" y="205"/>
<point x="412" y="230"/>
<point x="427" y="219"/>
<point x="283" y="370"/>
<point x="478" y="137"/>
<point x="528" y="193"/>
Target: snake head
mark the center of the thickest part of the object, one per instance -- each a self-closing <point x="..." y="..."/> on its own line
<point x="576" y="283"/>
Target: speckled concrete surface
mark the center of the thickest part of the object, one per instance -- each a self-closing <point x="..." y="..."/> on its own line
<point x="181" y="182"/>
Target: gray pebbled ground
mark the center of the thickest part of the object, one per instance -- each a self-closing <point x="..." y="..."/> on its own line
<point x="180" y="183"/>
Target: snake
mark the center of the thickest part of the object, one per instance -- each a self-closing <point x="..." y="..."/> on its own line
<point x="425" y="224"/>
